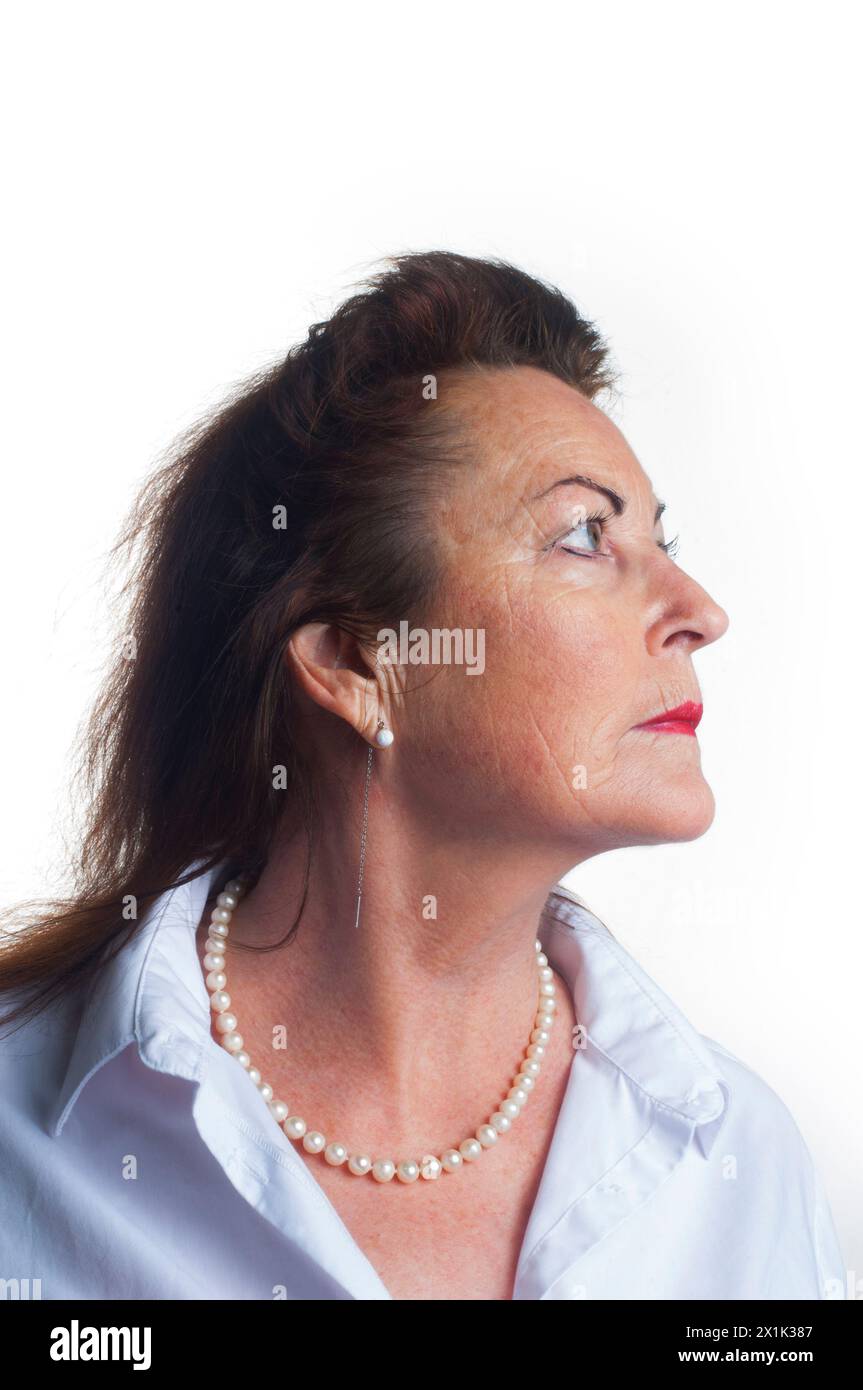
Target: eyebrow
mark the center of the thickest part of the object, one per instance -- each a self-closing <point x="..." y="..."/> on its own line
<point x="581" y="480"/>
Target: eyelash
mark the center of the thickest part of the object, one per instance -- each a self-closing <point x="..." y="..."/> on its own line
<point x="602" y="518"/>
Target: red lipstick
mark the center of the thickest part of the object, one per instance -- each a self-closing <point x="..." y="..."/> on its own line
<point x="680" y="720"/>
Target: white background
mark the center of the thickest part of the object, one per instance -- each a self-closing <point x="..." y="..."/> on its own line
<point x="189" y="186"/>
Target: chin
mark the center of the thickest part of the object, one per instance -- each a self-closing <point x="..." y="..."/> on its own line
<point x="677" y="812"/>
<point x="681" y="814"/>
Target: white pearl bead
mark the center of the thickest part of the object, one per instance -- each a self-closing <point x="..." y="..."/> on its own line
<point x="213" y="961"/>
<point x="536" y="1050"/>
<point x="541" y="1035"/>
<point x="266" y="1091"/>
<point x="511" y="1108"/>
<point x="226" y="1023"/>
<point x="451" y="1160"/>
<point x="500" y="1121"/>
<point x="244" y="1059"/>
<point x="487" y="1135"/>
<point x="518" y="1094"/>
<point x="232" y="1042"/>
<point x="384" y="737"/>
<point x="220" y="917"/>
<point x="546" y="973"/>
<point x="383" y="1169"/>
<point x="335" y="1154"/>
<point x="215" y="945"/>
<point x="228" y="900"/>
<point x="217" y="979"/>
<point x="254" y="1076"/>
<point x="408" y="1170"/>
<point x="548" y="1005"/>
<point x="219" y="929"/>
<point x="525" y="1081"/>
<point x="235" y="887"/>
<point x="529" y="1067"/>
<point x="279" y="1111"/>
<point x="544" y="1020"/>
<point x="220" y="1000"/>
<point x="548" y="989"/>
<point x="360" y="1164"/>
<point x="314" y="1141"/>
<point x="430" y="1167"/>
<point x="542" y="958"/>
<point x="470" y="1149"/>
<point x="294" y="1127"/>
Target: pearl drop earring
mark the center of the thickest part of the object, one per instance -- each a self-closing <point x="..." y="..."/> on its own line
<point x="384" y="736"/>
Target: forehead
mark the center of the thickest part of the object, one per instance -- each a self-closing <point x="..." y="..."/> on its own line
<point x="528" y="429"/>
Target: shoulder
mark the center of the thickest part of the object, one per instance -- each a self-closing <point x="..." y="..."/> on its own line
<point x="34" y="1055"/>
<point x="747" y="1085"/>
<point x="755" y="1104"/>
<point x="762" y="1133"/>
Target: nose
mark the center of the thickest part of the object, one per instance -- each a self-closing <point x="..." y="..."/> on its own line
<point x="687" y="615"/>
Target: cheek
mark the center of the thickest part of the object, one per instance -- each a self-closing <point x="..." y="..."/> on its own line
<point x="556" y="692"/>
<point x="577" y="670"/>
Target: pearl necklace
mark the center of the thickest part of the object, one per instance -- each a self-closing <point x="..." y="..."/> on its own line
<point x="429" y="1166"/>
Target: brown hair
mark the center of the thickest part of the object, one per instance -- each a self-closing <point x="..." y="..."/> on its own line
<point x="177" y="755"/>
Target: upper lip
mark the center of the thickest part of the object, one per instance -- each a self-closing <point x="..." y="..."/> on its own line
<point x="689" y="713"/>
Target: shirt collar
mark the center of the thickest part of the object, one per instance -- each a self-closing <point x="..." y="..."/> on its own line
<point x="631" y="1021"/>
<point x="153" y="994"/>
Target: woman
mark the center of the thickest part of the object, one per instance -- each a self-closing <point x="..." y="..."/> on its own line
<point x="406" y="644"/>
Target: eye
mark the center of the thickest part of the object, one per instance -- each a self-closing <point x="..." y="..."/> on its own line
<point x="593" y="526"/>
<point x="670" y="547"/>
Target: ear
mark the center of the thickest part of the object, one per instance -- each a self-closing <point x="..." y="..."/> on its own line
<point x="334" y="669"/>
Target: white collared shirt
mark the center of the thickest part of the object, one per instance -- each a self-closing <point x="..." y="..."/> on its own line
<point x="139" y="1161"/>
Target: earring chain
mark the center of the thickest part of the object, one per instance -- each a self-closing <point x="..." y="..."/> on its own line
<point x="363" y="834"/>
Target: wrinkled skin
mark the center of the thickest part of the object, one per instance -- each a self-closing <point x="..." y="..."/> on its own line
<point x="541" y="746"/>
<point x="473" y="811"/>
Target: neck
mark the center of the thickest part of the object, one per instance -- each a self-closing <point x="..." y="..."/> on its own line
<point x="437" y="982"/>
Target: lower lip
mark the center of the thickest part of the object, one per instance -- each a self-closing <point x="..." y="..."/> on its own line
<point x="671" y="726"/>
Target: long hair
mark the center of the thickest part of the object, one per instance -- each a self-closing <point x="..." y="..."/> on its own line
<point x="303" y="497"/>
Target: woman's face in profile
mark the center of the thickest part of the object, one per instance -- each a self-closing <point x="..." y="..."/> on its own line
<point x="589" y="630"/>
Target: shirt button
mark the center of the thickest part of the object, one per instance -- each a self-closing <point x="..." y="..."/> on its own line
<point x="703" y="1103"/>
